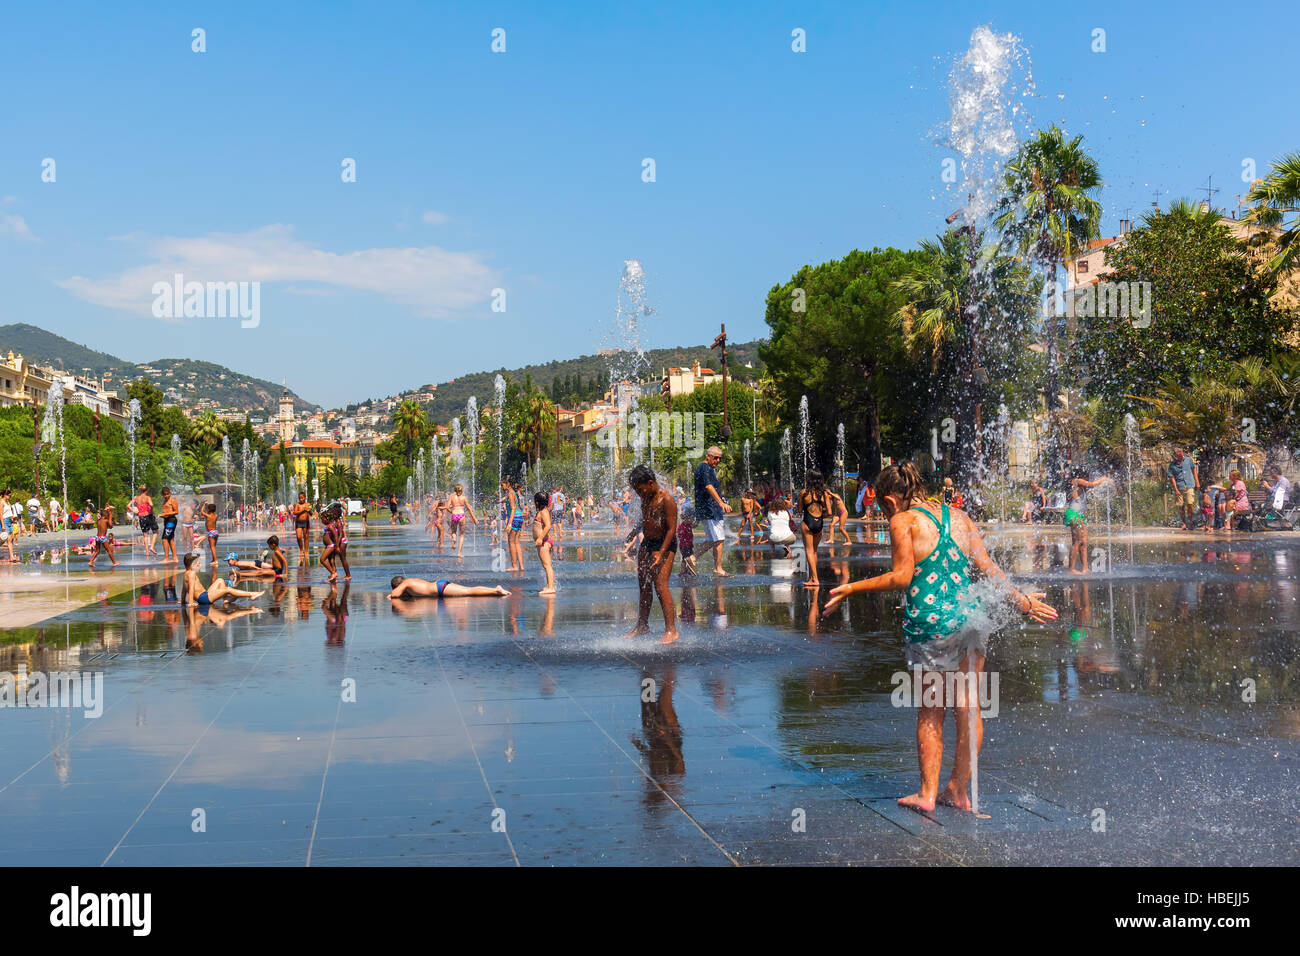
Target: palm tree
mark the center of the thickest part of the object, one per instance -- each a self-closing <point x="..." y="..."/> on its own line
<point x="534" y="417"/>
<point x="1050" y="211"/>
<point x="1275" y="197"/>
<point x="961" y="300"/>
<point x="937" y="293"/>
<point x="769" y="403"/>
<point x="341" y="481"/>
<point x="208" y="429"/>
<point x="201" y="463"/>
<point x="410" y="425"/>
<point x="1201" y="413"/>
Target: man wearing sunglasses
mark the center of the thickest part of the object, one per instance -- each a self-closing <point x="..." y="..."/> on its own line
<point x="709" y="506"/>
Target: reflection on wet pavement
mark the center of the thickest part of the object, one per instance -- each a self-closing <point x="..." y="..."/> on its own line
<point x="337" y="729"/>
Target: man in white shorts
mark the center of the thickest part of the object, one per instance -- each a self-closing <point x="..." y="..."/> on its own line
<point x="709" y="506"/>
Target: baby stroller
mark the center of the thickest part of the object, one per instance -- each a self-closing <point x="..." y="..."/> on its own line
<point x="1272" y="514"/>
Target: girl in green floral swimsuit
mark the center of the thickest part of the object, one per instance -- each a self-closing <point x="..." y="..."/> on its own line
<point x="932" y="566"/>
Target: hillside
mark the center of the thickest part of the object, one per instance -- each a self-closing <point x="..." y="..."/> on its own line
<point x="194" y="380"/>
<point x="450" y="398"/>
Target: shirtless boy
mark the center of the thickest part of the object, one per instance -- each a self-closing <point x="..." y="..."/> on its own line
<point x="102" y="524"/>
<point x="170" y="507"/>
<point x="654" y="559"/>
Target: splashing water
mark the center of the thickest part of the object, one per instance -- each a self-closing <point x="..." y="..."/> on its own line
<point x="471" y="420"/>
<point x="499" y="401"/>
<point x="456" y="449"/>
<point x="225" y="466"/>
<point x="132" y="418"/>
<point x="627" y="360"/>
<point x="985" y="115"/>
<point x="175" y="470"/>
<point x="787" y="463"/>
<point x="433" y="460"/>
<point x="52" y="435"/>
<point x="805" y="437"/>
<point x="1132" y="451"/>
<point x="587" y="455"/>
<point x="839" y="457"/>
<point x="986" y="119"/>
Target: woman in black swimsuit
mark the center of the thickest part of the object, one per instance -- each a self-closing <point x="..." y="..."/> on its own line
<point x="815" y="503"/>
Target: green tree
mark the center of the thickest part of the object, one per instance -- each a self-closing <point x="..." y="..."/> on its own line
<point x="340" y="482"/>
<point x="152" y="426"/>
<point x="1200" y="412"/>
<point x="207" y="429"/>
<point x="1208" y="307"/>
<point x="968" y="315"/>
<point x="835" y="336"/>
<point x="1275" y="198"/>
<point x="410" y="427"/>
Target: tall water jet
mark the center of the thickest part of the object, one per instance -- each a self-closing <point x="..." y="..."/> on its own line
<point x="225" y="467"/>
<point x="419" y="475"/>
<point x="457" y="444"/>
<point x="256" y="476"/>
<point x="627" y="360"/>
<point x="245" y="466"/>
<point x="499" y="400"/>
<point x="1132" y="451"/>
<point x="1004" y="440"/>
<point x="433" y="458"/>
<point x="132" y="419"/>
<point x="471" y="419"/>
<point x="839" y="458"/>
<point x="787" y="463"/>
<point x="587" y="452"/>
<point x="175" y="468"/>
<point x="52" y="435"/>
<point x="985" y="86"/>
<point x="805" y="437"/>
<point x="283" y="489"/>
<point x="749" y="483"/>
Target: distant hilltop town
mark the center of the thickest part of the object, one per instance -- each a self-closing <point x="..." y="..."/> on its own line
<point x="33" y="362"/>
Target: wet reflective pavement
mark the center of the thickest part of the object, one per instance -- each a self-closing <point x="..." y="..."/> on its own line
<point x="1163" y="705"/>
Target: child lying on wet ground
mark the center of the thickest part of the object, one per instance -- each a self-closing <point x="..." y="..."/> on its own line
<point x="420" y="588"/>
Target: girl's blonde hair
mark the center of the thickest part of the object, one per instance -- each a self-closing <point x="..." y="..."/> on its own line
<point x="1235" y="475"/>
<point x="903" y="482"/>
<point x="459" y="489"/>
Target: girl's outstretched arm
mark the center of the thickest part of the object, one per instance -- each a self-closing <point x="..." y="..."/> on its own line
<point x="904" y="563"/>
<point x="1031" y="604"/>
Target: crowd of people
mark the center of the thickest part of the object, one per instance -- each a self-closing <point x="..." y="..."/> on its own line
<point x="936" y="553"/>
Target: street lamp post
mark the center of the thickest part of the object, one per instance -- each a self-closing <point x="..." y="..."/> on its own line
<point x="721" y="343"/>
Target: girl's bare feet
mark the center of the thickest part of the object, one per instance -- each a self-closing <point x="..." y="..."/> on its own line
<point x="637" y="631"/>
<point x="917" y="802"/>
<point x="952" y="798"/>
<point x="669" y="637"/>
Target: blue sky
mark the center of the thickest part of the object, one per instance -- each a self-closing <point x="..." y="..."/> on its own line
<point x="522" y="170"/>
